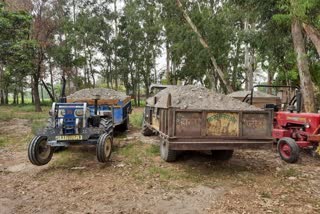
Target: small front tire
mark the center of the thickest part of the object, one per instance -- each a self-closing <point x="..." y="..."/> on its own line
<point x="288" y="150"/>
<point x="39" y="152"/>
<point x="104" y="147"/>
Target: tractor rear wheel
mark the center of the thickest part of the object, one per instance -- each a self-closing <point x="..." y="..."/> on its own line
<point x="39" y="152"/>
<point x="288" y="150"/>
<point x="106" y="124"/>
<point x="222" y="154"/>
<point x="167" y="154"/>
<point x="104" y="147"/>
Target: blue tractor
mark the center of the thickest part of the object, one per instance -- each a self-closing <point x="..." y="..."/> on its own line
<point x="89" y="122"/>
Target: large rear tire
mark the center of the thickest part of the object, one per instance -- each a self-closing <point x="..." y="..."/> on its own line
<point x="167" y="154"/>
<point x="104" y="147"/>
<point x="222" y="155"/>
<point x="107" y="125"/>
<point x="288" y="150"/>
<point x="39" y="152"/>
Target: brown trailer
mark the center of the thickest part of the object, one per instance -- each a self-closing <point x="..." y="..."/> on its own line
<point x="220" y="131"/>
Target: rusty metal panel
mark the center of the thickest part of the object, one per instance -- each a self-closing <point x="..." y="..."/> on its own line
<point x="256" y="125"/>
<point x="188" y="124"/>
<point x="155" y="122"/>
<point x="222" y="124"/>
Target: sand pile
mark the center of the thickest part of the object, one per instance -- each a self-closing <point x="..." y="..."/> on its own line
<point x="197" y="97"/>
<point x="105" y="94"/>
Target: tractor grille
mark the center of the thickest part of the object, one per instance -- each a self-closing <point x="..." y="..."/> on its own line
<point x="69" y="126"/>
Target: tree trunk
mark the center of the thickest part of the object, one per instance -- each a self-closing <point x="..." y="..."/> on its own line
<point x="36" y="94"/>
<point x="22" y="95"/>
<point x="1" y="97"/>
<point x="303" y="66"/>
<point x="51" y="81"/>
<point x="168" y="76"/>
<point x="42" y="97"/>
<point x="6" y="93"/>
<point x="205" y="45"/>
<point x="248" y="62"/>
<point x="314" y="36"/>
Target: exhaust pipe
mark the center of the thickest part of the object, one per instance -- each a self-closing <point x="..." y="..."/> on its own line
<point x="299" y="101"/>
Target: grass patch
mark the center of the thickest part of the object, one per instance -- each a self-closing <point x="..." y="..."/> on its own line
<point x="38" y="125"/>
<point x="3" y="141"/>
<point x="133" y="152"/>
<point x="69" y="159"/>
<point x="23" y="112"/>
<point x="290" y="172"/>
<point x="136" y="119"/>
<point x="142" y="103"/>
<point x="153" y="150"/>
<point x="162" y="173"/>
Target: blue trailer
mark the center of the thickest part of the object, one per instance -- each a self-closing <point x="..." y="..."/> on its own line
<point x="81" y="122"/>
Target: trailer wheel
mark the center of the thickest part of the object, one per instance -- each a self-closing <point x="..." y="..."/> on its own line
<point x="104" y="147"/>
<point x="167" y="154"/>
<point x="146" y="131"/>
<point x="222" y="154"/>
<point x="288" y="150"/>
<point x="39" y="152"/>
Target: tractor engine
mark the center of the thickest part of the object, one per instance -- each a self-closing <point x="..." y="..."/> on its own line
<point x="70" y="118"/>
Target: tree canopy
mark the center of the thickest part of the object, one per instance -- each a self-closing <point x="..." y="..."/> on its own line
<point x="225" y="45"/>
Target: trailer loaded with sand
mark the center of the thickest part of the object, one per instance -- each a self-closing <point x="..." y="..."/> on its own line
<point x="195" y="118"/>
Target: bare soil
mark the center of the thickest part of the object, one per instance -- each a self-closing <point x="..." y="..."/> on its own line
<point x="197" y="97"/>
<point x="136" y="180"/>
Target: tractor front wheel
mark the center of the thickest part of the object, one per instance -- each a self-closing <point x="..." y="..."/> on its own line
<point x="288" y="150"/>
<point x="39" y="152"/>
<point x="104" y="147"/>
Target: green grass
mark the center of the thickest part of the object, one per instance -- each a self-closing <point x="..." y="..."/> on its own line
<point x="136" y="119"/>
<point x="69" y="159"/>
<point x="153" y="150"/>
<point x="23" y="112"/>
<point x="142" y="103"/>
<point x="38" y="125"/>
<point x="290" y="172"/>
<point x="3" y="141"/>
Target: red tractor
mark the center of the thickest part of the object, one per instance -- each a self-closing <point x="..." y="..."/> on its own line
<point x="293" y="130"/>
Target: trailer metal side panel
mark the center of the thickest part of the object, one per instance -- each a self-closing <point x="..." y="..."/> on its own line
<point x="222" y="124"/>
<point x="188" y="124"/>
<point x="255" y="124"/>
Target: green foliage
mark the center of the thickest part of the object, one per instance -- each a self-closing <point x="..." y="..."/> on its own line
<point x="136" y="119"/>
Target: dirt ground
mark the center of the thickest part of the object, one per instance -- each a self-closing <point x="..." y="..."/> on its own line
<point x="136" y="180"/>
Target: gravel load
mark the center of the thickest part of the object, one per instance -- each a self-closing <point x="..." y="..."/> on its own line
<point x="197" y="97"/>
<point x="245" y="93"/>
<point x="105" y="94"/>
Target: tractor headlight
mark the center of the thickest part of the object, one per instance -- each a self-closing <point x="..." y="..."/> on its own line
<point x="78" y="112"/>
<point x="62" y="112"/>
<point x="307" y="125"/>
